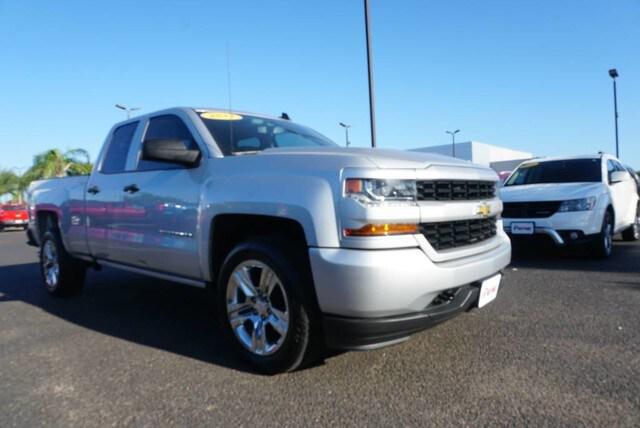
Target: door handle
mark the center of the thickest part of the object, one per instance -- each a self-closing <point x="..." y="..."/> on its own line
<point x="93" y="190"/>
<point x="131" y="188"/>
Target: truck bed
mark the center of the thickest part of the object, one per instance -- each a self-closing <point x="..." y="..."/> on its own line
<point x="66" y="197"/>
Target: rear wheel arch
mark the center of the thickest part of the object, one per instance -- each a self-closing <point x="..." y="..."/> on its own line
<point x="49" y="220"/>
<point x="46" y="220"/>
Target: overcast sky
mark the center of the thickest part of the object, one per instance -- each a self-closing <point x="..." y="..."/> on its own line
<point x="530" y="75"/>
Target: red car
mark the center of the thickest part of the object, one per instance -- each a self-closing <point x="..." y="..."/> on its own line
<point x="14" y="216"/>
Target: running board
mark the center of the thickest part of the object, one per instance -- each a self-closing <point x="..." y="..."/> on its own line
<point x="159" y="275"/>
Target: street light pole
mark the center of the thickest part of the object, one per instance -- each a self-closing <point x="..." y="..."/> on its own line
<point x="346" y="132"/>
<point x="614" y="73"/>
<point x="372" y="103"/>
<point x="128" y="110"/>
<point x="453" y="141"/>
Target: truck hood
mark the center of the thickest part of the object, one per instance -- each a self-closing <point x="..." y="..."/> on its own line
<point x="381" y="158"/>
<point x="549" y="192"/>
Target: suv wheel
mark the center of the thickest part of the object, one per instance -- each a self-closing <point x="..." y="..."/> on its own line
<point x="264" y="309"/>
<point x="61" y="273"/>
<point x="633" y="232"/>
<point x="603" y="243"/>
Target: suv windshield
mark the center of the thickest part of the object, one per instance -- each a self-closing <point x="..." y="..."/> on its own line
<point x="238" y="134"/>
<point x="560" y="171"/>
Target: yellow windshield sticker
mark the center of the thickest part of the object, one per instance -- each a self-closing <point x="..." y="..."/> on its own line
<point x="529" y="165"/>
<point x="220" y="115"/>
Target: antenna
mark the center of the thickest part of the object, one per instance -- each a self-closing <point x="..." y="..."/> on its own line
<point x="229" y="95"/>
<point x="228" y="77"/>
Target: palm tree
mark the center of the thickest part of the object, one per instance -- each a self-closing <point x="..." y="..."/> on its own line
<point x="52" y="163"/>
<point x="8" y="182"/>
<point x="55" y="163"/>
<point x="13" y="184"/>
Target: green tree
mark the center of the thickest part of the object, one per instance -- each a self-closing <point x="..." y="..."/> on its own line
<point x="55" y="163"/>
<point x="13" y="184"/>
<point x="9" y="183"/>
<point x="48" y="164"/>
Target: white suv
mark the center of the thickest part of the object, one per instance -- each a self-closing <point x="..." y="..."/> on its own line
<point x="572" y="200"/>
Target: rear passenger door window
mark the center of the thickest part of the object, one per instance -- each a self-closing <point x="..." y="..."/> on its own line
<point x="165" y="127"/>
<point x="115" y="160"/>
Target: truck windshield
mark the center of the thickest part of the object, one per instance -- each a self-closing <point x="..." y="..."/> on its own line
<point x="242" y="134"/>
<point x="560" y="171"/>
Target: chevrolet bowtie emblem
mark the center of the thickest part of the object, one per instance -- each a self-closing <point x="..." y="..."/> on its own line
<point x="484" y="210"/>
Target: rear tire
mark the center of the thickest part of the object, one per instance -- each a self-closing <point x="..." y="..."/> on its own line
<point x="62" y="275"/>
<point x="633" y="232"/>
<point x="265" y="307"/>
<point x="602" y="246"/>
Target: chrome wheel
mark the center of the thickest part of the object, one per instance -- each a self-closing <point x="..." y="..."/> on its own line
<point x="50" y="264"/>
<point x="257" y="307"/>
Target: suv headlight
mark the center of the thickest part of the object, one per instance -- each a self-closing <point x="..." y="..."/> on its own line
<point x="374" y="191"/>
<point x="584" y="204"/>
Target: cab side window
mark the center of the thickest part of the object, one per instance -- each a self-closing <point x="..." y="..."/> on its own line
<point x="165" y="127"/>
<point x="115" y="160"/>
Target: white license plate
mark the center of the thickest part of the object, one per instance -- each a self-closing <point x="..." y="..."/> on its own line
<point x="523" y="228"/>
<point x="489" y="290"/>
<point x="21" y="221"/>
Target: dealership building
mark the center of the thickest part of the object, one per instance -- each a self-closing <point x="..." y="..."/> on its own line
<point x="496" y="157"/>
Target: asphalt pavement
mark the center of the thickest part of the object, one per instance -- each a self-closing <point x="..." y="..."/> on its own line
<point x="559" y="347"/>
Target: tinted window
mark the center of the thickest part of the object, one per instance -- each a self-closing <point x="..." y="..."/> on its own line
<point x="166" y="127"/>
<point x="236" y="133"/>
<point x="561" y="171"/>
<point x="116" y="158"/>
<point x="611" y="168"/>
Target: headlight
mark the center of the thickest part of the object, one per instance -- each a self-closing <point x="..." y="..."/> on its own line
<point x="377" y="191"/>
<point x="585" y="204"/>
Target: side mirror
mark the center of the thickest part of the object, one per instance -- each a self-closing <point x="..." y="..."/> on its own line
<point x="618" y="176"/>
<point x="171" y="151"/>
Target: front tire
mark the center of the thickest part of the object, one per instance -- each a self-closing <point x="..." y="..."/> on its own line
<point x="265" y="308"/>
<point x="602" y="246"/>
<point x="62" y="274"/>
<point x="633" y="232"/>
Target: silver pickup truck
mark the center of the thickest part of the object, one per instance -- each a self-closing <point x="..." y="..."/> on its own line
<point x="301" y="243"/>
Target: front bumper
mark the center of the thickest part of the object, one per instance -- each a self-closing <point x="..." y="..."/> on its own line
<point x="562" y="228"/>
<point x="380" y="283"/>
<point x="371" y="333"/>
